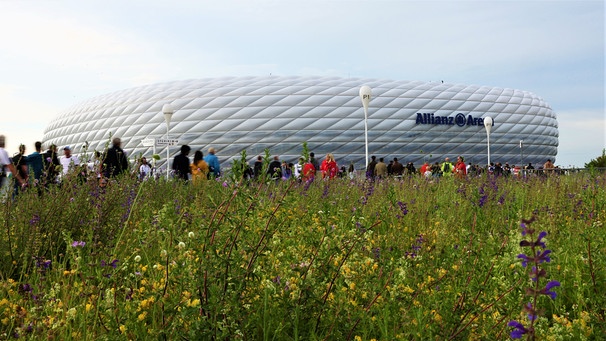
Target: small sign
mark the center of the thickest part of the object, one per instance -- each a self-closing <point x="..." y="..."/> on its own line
<point x="167" y="142"/>
<point x="148" y="142"/>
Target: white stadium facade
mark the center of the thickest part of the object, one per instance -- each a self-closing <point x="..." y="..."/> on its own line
<point x="411" y="120"/>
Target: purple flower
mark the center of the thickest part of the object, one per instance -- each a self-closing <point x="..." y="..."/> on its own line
<point x="532" y="313"/>
<point x="524" y="229"/>
<point x="524" y="259"/>
<point x="26" y="288"/>
<point x="518" y="331"/>
<point x="538" y="242"/>
<point x="543" y="256"/>
<point x="35" y="219"/>
<point x="114" y="263"/>
<point x="78" y="243"/>
<point x="403" y="209"/>
<point x="547" y="290"/>
<point x="483" y="200"/>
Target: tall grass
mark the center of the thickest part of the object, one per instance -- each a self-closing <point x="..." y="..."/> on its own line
<point x="406" y="259"/>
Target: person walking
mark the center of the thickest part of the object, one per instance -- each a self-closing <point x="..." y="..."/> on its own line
<point x="115" y="161"/>
<point x="381" y="169"/>
<point x="144" y="169"/>
<point x="68" y="161"/>
<point x="309" y="172"/>
<point x="52" y="166"/>
<point x="213" y="163"/>
<point x="370" y="170"/>
<point x="20" y="163"/>
<point x="460" y="169"/>
<point x="199" y="168"/>
<point x="329" y="167"/>
<point x="447" y="168"/>
<point x="181" y="164"/>
<point x="397" y="168"/>
<point x="258" y="167"/>
<point x="7" y="165"/>
<point x="275" y="169"/>
<point x="35" y="163"/>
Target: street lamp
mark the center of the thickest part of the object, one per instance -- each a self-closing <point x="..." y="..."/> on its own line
<point x="168" y="111"/>
<point x="521" y="153"/>
<point x="488" y="126"/>
<point x="365" y="94"/>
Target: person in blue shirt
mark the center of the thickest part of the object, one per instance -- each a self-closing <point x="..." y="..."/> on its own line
<point x="213" y="163"/>
<point x="35" y="162"/>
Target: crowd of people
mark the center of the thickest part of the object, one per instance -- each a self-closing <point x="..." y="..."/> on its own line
<point x="41" y="169"/>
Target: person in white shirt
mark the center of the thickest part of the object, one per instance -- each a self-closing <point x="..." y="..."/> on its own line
<point x="68" y="161"/>
<point x="144" y="169"/>
<point x="6" y="163"/>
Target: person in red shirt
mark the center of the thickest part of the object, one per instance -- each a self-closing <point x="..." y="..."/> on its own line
<point x="329" y="167"/>
<point x="309" y="172"/>
<point x="460" y="169"/>
<point x="424" y="168"/>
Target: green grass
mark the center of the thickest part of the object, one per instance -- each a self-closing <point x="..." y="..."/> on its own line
<point x="337" y="260"/>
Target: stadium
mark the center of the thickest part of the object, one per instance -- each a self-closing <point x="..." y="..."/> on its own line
<point x="412" y="120"/>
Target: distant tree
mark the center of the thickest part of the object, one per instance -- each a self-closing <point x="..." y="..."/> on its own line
<point x="598" y="162"/>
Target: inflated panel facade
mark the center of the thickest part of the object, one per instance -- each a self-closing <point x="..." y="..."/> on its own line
<point x="411" y="120"/>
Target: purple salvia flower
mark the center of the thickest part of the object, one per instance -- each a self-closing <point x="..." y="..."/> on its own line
<point x="518" y="331"/>
<point x="524" y="259"/>
<point x="543" y="256"/>
<point x="524" y="230"/>
<point x="532" y="313"/>
<point x="547" y="290"/>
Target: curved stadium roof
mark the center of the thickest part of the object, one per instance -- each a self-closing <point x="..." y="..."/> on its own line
<point x="411" y="120"/>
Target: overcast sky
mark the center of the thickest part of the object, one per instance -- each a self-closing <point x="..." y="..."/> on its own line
<point x="55" y="54"/>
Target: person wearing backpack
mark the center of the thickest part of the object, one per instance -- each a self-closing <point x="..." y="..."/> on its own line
<point x="447" y="167"/>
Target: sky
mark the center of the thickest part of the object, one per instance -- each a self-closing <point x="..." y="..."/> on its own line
<point x="55" y="54"/>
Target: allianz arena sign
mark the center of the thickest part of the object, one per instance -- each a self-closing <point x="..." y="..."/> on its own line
<point x="459" y="120"/>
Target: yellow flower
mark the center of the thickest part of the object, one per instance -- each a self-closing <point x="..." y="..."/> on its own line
<point x="88" y="307"/>
<point x="122" y="329"/>
<point x="142" y="316"/>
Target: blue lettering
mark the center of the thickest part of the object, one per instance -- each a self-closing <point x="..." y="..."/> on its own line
<point x="420" y="119"/>
<point x="469" y="120"/>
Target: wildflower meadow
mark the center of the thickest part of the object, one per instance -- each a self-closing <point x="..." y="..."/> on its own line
<point x="481" y="258"/>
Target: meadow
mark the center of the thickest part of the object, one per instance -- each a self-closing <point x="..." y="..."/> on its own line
<point x="394" y="259"/>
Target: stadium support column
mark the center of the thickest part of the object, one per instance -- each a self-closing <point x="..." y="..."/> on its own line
<point x="365" y="94"/>
<point x="168" y="111"/>
<point x="488" y="126"/>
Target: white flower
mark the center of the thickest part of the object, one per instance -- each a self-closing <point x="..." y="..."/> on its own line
<point x="137" y="258"/>
<point x="191" y="235"/>
<point x="163" y="253"/>
<point x="181" y="245"/>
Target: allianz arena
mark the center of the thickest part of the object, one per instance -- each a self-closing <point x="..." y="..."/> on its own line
<point x="411" y="120"/>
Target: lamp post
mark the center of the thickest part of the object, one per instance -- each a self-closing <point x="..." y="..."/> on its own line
<point x="488" y="126"/>
<point x="168" y="111"/>
<point x="521" y="154"/>
<point x="365" y="94"/>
